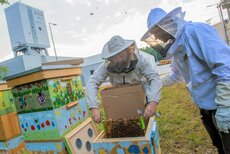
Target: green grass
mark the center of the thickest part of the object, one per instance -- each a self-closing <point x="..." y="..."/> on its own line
<point x="181" y="131"/>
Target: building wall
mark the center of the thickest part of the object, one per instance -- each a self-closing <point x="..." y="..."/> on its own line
<point x="14" y="65"/>
<point x="220" y="30"/>
<point x="26" y="62"/>
<point x="87" y="72"/>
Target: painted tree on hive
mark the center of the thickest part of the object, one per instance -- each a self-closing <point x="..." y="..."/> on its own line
<point x="3" y="72"/>
<point x="4" y="2"/>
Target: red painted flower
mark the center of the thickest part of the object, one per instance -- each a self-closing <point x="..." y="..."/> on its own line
<point x="47" y="123"/>
<point x="84" y="113"/>
<point x="42" y="125"/>
<point x="32" y="127"/>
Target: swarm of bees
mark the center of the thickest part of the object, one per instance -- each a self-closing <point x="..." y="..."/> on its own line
<point x="164" y="62"/>
<point x="123" y="128"/>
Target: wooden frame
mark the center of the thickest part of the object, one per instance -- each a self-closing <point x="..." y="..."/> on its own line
<point x="75" y="61"/>
<point x="144" y="138"/>
<point x="72" y="104"/>
<point x="122" y="145"/>
<point x="43" y="74"/>
<point x="21" y="148"/>
<point x="78" y="133"/>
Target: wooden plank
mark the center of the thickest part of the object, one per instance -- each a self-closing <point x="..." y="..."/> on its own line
<point x="25" y="79"/>
<point x="4" y="86"/>
<point x="76" y="61"/>
<point x="20" y="149"/>
<point x="72" y="104"/>
<point x="9" y="126"/>
<point x="45" y="74"/>
<point x="109" y="140"/>
<point x="149" y="128"/>
<point x="38" y="141"/>
<point x="48" y="152"/>
<point x="48" y="74"/>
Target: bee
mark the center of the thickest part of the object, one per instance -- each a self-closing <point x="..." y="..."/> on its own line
<point x="56" y="87"/>
<point x="36" y="121"/>
<point x="121" y="128"/>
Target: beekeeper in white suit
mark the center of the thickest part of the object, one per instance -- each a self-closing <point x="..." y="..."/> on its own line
<point x="124" y="65"/>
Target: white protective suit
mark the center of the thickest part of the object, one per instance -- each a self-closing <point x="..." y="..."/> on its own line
<point x="144" y="73"/>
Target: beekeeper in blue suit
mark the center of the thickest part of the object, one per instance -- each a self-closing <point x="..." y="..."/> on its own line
<point x="202" y="58"/>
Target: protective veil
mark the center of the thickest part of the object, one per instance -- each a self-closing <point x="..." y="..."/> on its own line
<point x="126" y="65"/>
<point x="163" y="29"/>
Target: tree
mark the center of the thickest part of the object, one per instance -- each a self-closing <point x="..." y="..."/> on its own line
<point x="4" y="2"/>
<point x="3" y="72"/>
<point x="153" y="52"/>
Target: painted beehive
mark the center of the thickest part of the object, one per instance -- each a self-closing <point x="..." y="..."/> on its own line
<point x="52" y="124"/>
<point x="79" y="140"/>
<point x="148" y="144"/>
<point x="9" y="125"/>
<point x="57" y="147"/>
<point x="51" y="102"/>
<point x="13" y="146"/>
<point x="6" y="100"/>
<point x="47" y="94"/>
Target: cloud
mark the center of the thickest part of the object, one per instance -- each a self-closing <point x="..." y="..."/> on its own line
<point x="88" y="18"/>
<point x="86" y="25"/>
<point x="88" y="3"/>
<point x="70" y="2"/>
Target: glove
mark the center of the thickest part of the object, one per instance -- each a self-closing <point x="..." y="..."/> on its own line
<point x="223" y="106"/>
<point x="96" y="115"/>
<point x="223" y="119"/>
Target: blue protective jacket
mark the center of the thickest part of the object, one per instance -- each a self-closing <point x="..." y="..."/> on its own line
<point x="203" y="59"/>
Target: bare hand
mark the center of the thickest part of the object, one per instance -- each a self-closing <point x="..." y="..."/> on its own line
<point x="150" y="110"/>
<point x="96" y="115"/>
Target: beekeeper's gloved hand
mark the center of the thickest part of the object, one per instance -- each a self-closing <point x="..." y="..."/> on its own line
<point x="96" y="115"/>
<point x="223" y="119"/>
<point x="150" y="109"/>
<point x="223" y="106"/>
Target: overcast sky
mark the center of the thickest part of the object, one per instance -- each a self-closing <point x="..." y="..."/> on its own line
<point x="84" y="26"/>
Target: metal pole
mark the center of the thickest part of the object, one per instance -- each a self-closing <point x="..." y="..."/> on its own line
<point x="53" y="39"/>
<point x="222" y="23"/>
<point x="219" y="5"/>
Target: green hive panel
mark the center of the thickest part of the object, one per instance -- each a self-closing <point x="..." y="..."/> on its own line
<point x="6" y="102"/>
<point x="32" y="97"/>
<point x="64" y="91"/>
<point x="47" y="94"/>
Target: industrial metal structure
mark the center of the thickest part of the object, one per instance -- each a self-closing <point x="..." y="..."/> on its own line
<point x="27" y="30"/>
<point x="222" y="6"/>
